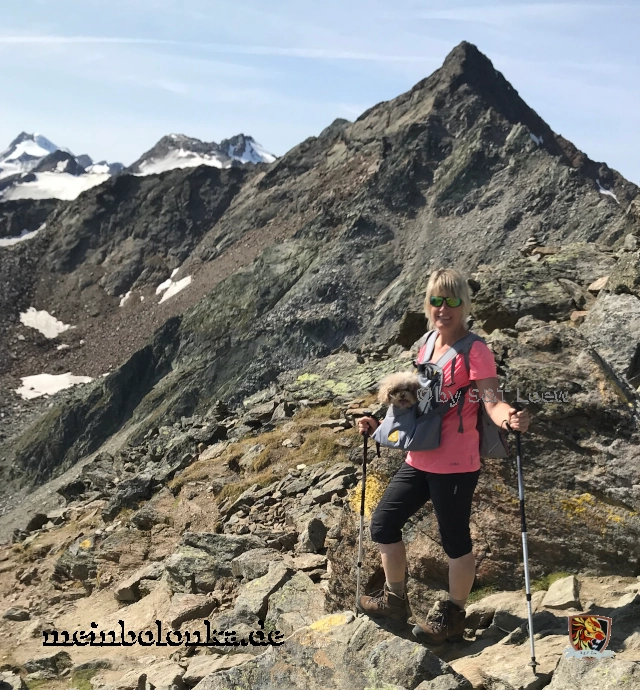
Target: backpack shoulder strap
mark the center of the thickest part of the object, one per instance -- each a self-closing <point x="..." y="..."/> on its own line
<point x="429" y="345"/>
<point x="470" y="339"/>
<point x="461" y="346"/>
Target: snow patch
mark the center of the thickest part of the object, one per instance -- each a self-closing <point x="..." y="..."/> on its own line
<point x="125" y="298"/>
<point x="175" y="288"/>
<point x="163" y="286"/>
<point x="602" y="190"/>
<point x="48" y="384"/>
<point x="98" y="169"/>
<point x="177" y="159"/>
<point x="175" y="270"/>
<point x="54" y="185"/>
<point x="24" y="235"/>
<point x="42" y="321"/>
<point x="253" y="153"/>
<point x="535" y="139"/>
<point x="64" y="346"/>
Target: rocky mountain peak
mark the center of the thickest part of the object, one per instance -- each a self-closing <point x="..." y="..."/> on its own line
<point x="60" y="161"/>
<point x="180" y="151"/>
<point x="466" y="72"/>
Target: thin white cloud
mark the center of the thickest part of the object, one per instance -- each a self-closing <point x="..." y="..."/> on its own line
<point x="503" y="14"/>
<point x="309" y="53"/>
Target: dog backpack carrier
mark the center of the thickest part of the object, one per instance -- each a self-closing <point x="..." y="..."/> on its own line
<point x="419" y="427"/>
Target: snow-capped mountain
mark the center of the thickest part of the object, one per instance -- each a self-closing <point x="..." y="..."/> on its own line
<point x="33" y="167"/>
<point x="180" y="151"/>
<point x="24" y="153"/>
<point x="246" y="150"/>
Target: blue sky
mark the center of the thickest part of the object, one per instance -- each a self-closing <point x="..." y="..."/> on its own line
<point x="111" y="78"/>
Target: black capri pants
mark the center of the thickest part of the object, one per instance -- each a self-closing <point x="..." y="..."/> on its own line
<point x="410" y="489"/>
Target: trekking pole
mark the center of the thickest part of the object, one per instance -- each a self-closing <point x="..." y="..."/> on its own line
<point x="523" y="524"/>
<point x="364" y="486"/>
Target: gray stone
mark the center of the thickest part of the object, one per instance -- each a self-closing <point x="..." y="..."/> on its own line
<point x="630" y="242"/>
<point x="247" y="460"/>
<point x="223" y="548"/>
<point x="128" y="590"/>
<point x="603" y="674"/>
<point x="16" y="613"/>
<point x="446" y="682"/>
<point x="95" y="664"/>
<point x="191" y="570"/>
<point x="187" y="607"/>
<point x="312" y="537"/>
<point x="11" y="681"/>
<point x="613" y="329"/>
<point x="254" y="563"/>
<point x="338" y="651"/>
<point x="563" y="594"/>
<point x="78" y="561"/>
<point x="202" y="666"/>
<point x="50" y="666"/>
<point x="252" y="601"/>
<point x="505" y="621"/>
<point x="309" y="561"/>
<point x="297" y="603"/>
<point x="147" y="517"/>
<point x="301" y="485"/>
<point x="164" y="675"/>
<point x="128" y="494"/>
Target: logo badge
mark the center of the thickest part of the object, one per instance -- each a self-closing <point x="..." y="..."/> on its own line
<point x="589" y="637"/>
<point x="393" y="436"/>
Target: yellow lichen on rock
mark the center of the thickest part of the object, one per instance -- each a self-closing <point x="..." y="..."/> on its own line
<point x="328" y="622"/>
<point x="376" y="484"/>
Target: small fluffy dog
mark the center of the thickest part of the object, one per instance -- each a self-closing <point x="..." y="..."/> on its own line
<point x="399" y="389"/>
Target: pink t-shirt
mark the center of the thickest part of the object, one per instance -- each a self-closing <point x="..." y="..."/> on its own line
<point x="458" y="452"/>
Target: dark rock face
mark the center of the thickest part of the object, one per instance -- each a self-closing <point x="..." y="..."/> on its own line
<point x="22" y="215"/>
<point x="62" y="161"/>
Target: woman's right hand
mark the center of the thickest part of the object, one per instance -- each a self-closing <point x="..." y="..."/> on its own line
<point x="367" y="425"/>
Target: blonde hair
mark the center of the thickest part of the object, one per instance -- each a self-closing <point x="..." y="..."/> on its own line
<point x="452" y="281"/>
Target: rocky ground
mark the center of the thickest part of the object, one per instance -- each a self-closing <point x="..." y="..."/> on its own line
<point x="234" y="519"/>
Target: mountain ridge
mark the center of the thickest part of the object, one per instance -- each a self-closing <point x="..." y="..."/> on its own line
<point x="328" y="247"/>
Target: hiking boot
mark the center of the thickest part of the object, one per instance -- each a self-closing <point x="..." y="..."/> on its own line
<point x="445" y="622"/>
<point x="385" y="603"/>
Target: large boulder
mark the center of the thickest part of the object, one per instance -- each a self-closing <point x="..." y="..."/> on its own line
<point x="129" y="589"/>
<point x="612" y="327"/>
<point x="604" y="674"/>
<point x="128" y="494"/>
<point x="254" y="563"/>
<point x="78" y="561"/>
<point x="48" y="666"/>
<point x="297" y="603"/>
<point x="253" y="598"/>
<point x="337" y="651"/>
<point x="222" y="548"/>
<point x="191" y="570"/>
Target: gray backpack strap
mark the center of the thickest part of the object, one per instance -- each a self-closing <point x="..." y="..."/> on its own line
<point x="461" y="346"/>
<point x="430" y="344"/>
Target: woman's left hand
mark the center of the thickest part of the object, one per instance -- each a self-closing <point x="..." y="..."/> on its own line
<point x="518" y="419"/>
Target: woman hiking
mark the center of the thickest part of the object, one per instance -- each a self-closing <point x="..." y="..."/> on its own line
<point x="447" y="474"/>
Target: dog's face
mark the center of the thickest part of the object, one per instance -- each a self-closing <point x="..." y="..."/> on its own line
<point x="399" y="389"/>
<point x="402" y="397"/>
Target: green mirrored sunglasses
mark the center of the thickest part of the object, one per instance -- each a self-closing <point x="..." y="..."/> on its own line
<point x="451" y="301"/>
